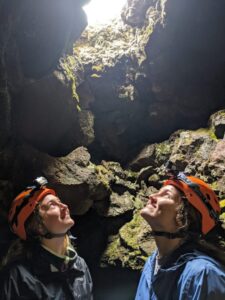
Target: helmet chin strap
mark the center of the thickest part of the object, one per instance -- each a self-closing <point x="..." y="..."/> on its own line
<point x="49" y="235"/>
<point x="170" y="235"/>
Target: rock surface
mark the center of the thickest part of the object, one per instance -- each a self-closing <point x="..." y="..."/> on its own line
<point x="109" y="197"/>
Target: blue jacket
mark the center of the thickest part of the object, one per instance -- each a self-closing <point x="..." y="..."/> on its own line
<point x="192" y="275"/>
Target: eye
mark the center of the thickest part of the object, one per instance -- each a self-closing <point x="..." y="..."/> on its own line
<point x="53" y="204"/>
<point x="167" y="194"/>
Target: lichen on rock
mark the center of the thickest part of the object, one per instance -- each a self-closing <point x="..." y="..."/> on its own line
<point x="132" y="246"/>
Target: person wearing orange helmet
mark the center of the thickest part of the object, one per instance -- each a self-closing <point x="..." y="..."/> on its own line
<point x="189" y="262"/>
<point x="43" y="263"/>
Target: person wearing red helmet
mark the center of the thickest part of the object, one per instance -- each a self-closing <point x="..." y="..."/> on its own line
<point x="189" y="262"/>
<point x="43" y="263"/>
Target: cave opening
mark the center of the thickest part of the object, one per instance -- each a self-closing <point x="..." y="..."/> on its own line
<point x="103" y="11"/>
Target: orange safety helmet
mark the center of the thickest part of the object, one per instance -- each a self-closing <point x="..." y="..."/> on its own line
<point x="200" y="196"/>
<point x="24" y="204"/>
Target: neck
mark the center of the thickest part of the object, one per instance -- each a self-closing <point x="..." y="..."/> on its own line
<point x="166" y="246"/>
<point x="58" y="245"/>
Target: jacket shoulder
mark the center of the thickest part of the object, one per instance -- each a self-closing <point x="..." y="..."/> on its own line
<point x="203" y="278"/>
<point x="80" y="264"/>
<point x="11" y="278"/>
<point x="204" y="263"/>
<point x="14" y="269"/>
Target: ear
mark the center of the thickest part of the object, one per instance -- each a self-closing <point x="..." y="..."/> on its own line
<point x="40" y="229"/>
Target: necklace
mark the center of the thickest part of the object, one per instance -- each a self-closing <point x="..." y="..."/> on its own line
<point x="157" y="265"/>
<point x="160" y="260"/>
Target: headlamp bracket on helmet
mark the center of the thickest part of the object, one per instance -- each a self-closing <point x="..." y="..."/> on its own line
<point x="38" y="183"/>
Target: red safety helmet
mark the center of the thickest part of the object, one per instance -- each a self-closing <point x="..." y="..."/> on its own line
<point x="24" y="204"/>
<point x="200" y="196"/>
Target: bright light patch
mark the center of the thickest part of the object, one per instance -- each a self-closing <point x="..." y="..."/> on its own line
<point x="103" y="11"/>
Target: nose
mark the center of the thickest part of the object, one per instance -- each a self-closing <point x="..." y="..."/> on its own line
<point x="63" y="206"/>
<point x="152" y="198"/>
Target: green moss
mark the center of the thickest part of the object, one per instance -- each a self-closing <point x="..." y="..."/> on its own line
<point x="102" y="174"/>
<point x="125" y="250"/>
<point x="129" y="232"/>
<point x="101" y="169"/>
<point x="131" y="175"/>
<point x="68" y="66"/>
<point x="221" y="113"/>
<point x="222" y="203"/>
<point x="98" y="68"/>
<point x="112" y="252"/>
<point x="154" y="178"/>
<point x="214" y="185"/>
<point x="95" y="76"/>
<point x="207" y="131"/>
<point x="222" y="217"/>
<point x="162" y="151"/>
<point x="103" y="46"/>
<point x="138" y="203"/>
<point x="116" y="254"/>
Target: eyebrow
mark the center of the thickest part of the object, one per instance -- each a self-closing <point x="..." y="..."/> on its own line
<point x="53" y="200"/>
<point x="165" y="190"/>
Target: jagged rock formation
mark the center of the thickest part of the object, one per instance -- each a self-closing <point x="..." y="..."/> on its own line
<point x="112" y="196"/>
<point x="199" y="153"/>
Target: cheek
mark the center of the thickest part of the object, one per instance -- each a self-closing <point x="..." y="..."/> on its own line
<point x="51" y="219"/>
<point x="168" y="212"/>
<point x="167" y="206"/>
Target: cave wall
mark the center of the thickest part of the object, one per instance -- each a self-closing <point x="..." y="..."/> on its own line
<point x="34" y="35"/>
<point x="157" y="69"/>
<point x="186" y="64"/>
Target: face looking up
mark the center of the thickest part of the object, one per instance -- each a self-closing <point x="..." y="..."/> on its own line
<point x="161" y="209"/>
<point x="55" y="214"/>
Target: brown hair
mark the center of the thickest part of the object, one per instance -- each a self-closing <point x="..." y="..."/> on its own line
<point x="23" y="249"/>
<point x="213" y="243"/>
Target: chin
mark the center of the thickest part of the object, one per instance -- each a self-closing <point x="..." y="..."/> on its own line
<point x="147" y="215"/>
<point x="70" y="223"/>
<point x="146" y="211"/>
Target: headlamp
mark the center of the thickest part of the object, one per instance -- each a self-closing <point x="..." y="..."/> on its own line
<point x="40" y="182"/>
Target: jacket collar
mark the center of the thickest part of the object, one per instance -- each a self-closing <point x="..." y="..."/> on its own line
<point x="174" y="263"/>
<point x="48" y="261"/>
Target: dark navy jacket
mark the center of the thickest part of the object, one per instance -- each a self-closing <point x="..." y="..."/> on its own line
<point x="46" y="277"/>
<point x="188" y="275"/>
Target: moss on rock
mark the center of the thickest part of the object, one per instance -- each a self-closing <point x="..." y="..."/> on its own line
<point x="126" y="250"/>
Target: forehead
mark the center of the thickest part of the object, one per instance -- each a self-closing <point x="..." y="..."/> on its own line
<point x="171" y="189"/>
<point x="48" y="198"/>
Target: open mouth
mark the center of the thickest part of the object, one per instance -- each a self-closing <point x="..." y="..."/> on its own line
<point x="151" y="204"/>
<point x="64" y="215"/>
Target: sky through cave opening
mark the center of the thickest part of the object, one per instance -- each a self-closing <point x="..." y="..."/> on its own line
<point x="103" y="11"/>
